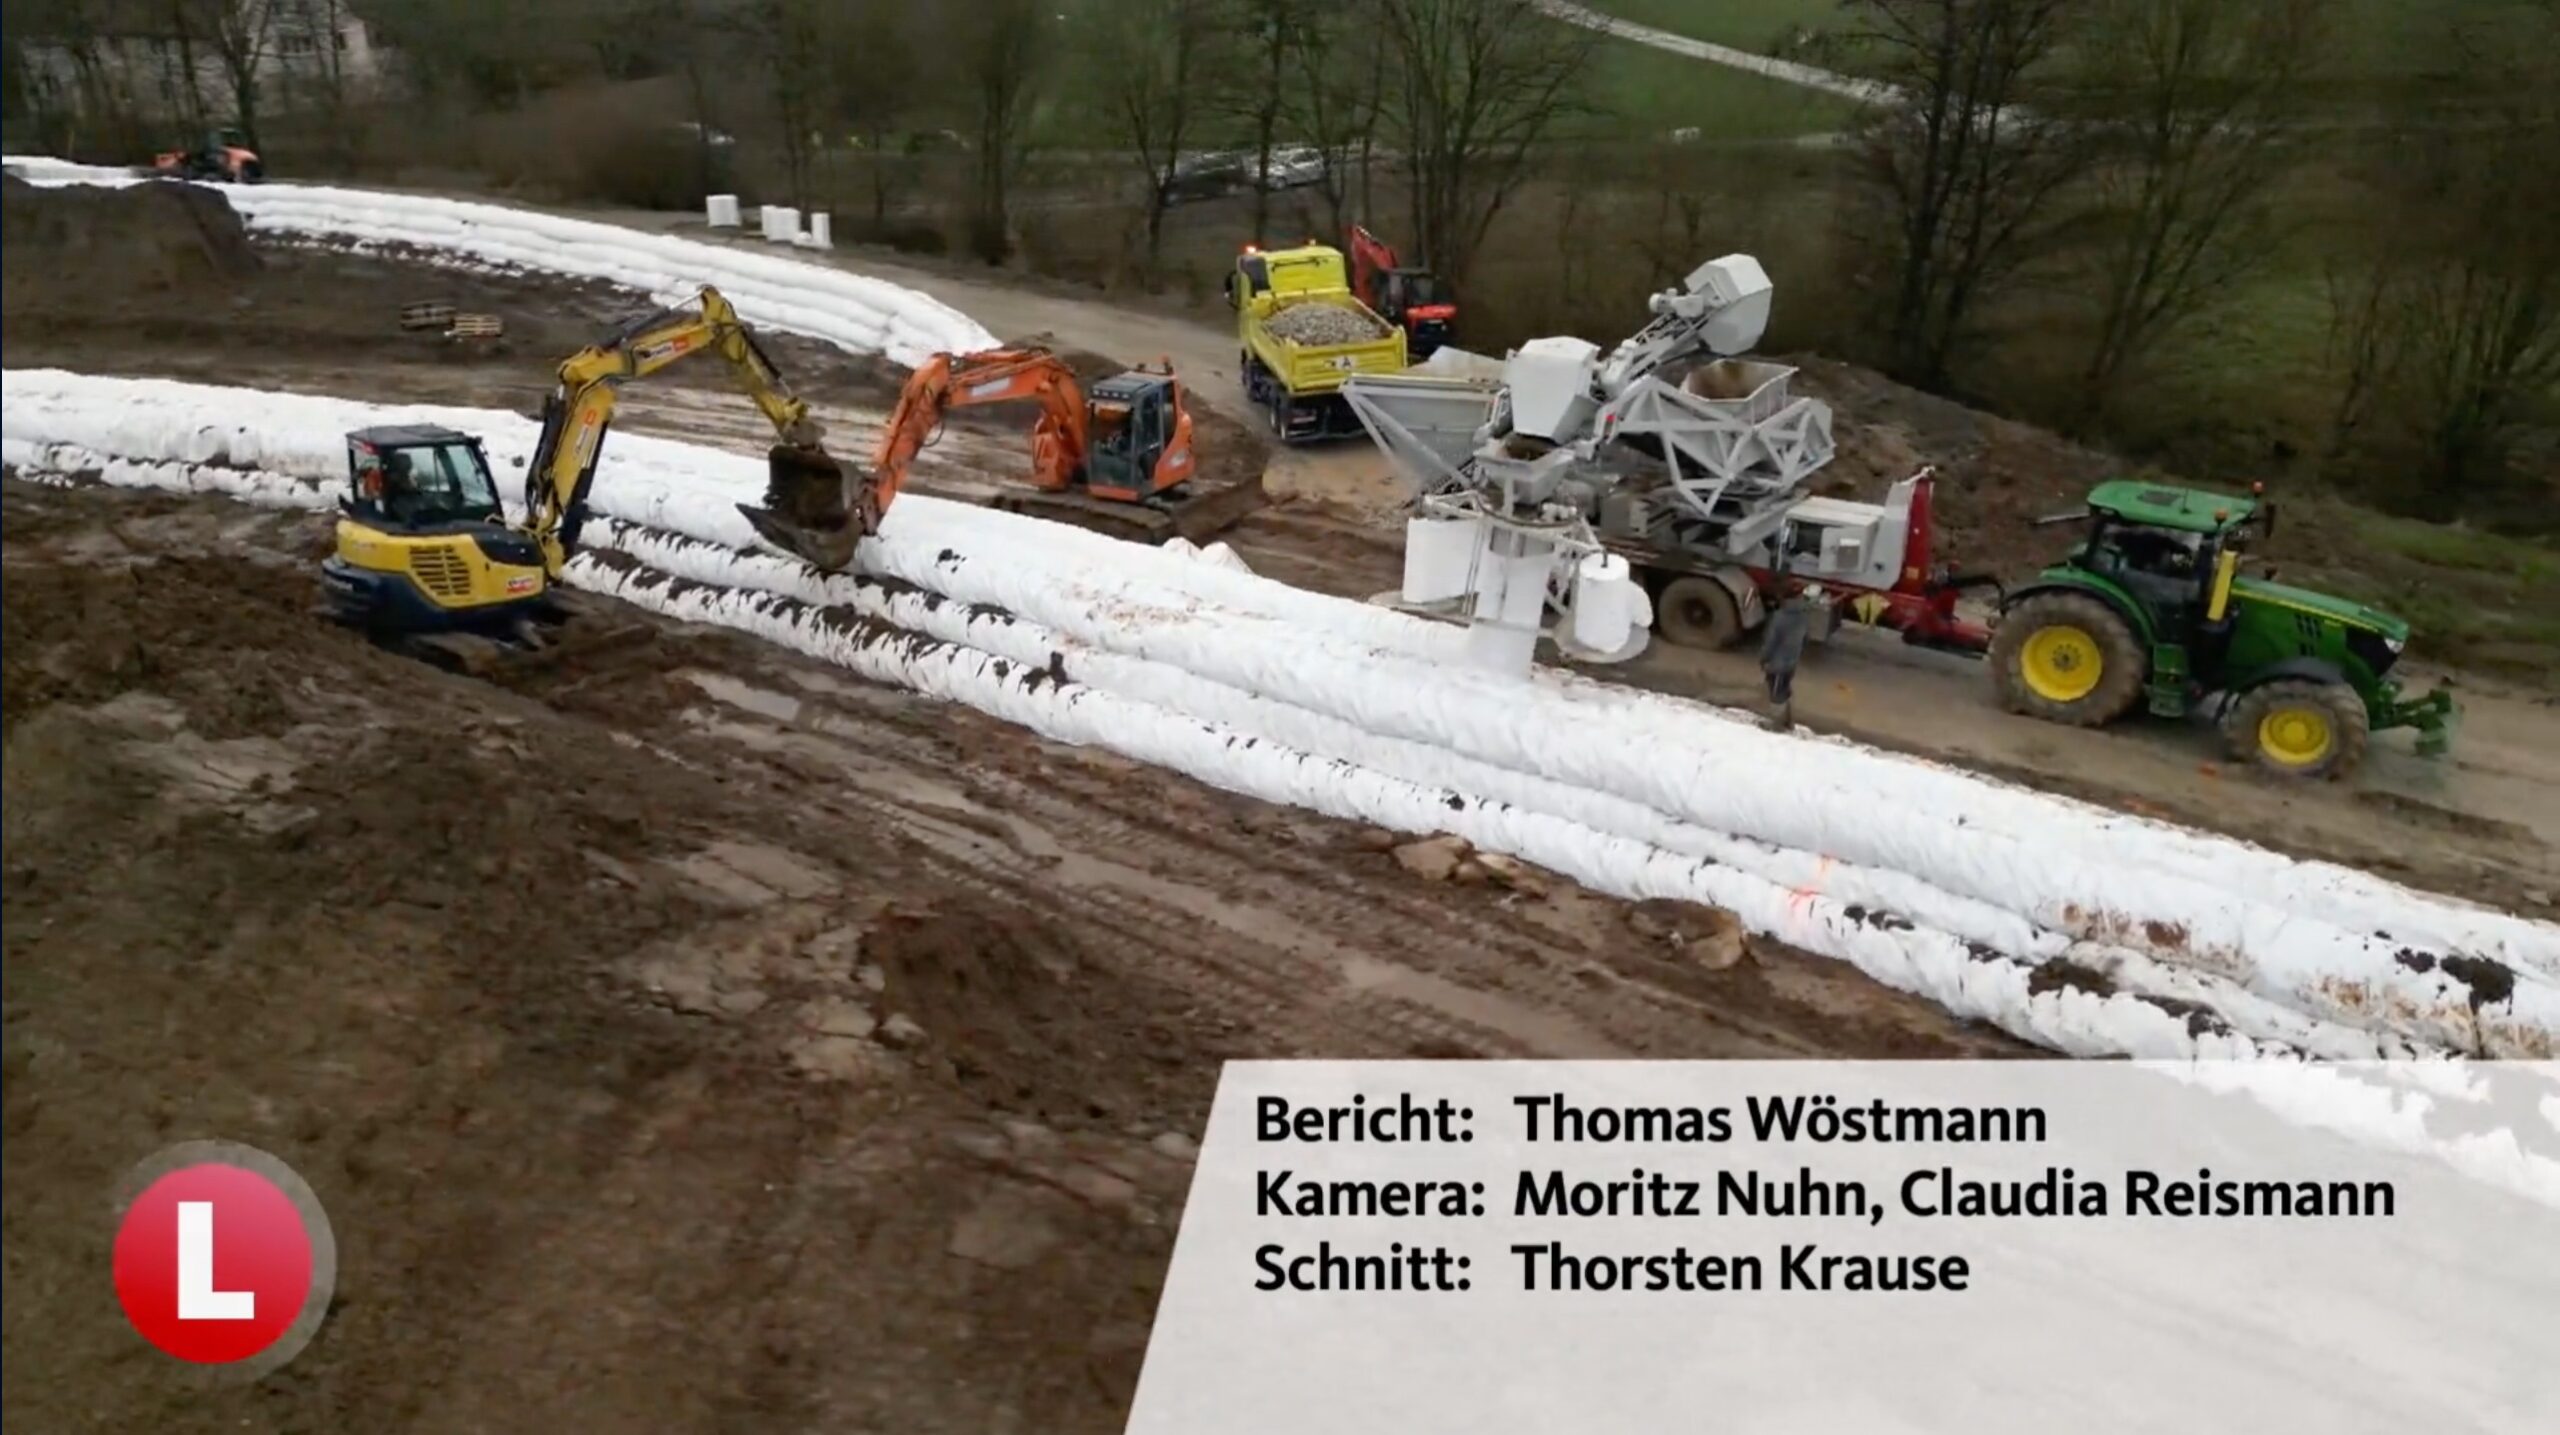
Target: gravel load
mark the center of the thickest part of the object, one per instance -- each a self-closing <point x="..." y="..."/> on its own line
<point x="1323" y="324"/>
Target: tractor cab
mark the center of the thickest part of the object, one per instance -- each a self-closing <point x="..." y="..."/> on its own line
<point x="1140" y="435"/>
<point x="2175" y="551"/>
<point x="419" y="478"/>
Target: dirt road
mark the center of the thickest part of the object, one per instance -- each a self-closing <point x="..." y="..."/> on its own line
<point x="883" y="1020"/>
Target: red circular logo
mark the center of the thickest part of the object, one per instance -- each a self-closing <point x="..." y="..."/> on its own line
<point x="215" y="1262"/>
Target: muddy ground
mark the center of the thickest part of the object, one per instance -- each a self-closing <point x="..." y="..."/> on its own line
<point x="682" y="1036"/>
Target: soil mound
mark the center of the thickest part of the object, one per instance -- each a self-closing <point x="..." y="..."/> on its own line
<point x="1015" y="1010"/>
<point x="155" y="235"/>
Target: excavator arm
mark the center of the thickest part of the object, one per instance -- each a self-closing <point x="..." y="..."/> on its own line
<point x="580" y="410"/>
<point x="995" y="376"/>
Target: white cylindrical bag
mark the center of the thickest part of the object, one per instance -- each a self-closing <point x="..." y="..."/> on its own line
<point x="1440" y="557"/>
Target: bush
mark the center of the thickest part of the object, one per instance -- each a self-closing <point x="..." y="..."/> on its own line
<point x="607" y="144"/>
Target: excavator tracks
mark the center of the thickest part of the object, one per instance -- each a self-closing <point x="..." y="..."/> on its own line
<point x="1191" y="513"/>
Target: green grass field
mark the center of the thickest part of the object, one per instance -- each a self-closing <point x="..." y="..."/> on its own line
<point x="2372" y="38"/>
<point x="1754" y="25"/>
<point x="1639" y="91"/>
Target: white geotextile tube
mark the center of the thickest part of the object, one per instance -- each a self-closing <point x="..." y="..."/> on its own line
<point x="1927" y="818"/>
<point x="1877" y="897"/>
<point x="1783" y="789"/>
<point x="1143" y="610"/>
<point x="1911" y="958"/>
<point x="794" y="296"/>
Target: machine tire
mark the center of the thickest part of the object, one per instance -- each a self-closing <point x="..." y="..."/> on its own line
<point x="2067" y="658"/>
<point x="2300" y="728"/>
<point x="1696" y="611"/>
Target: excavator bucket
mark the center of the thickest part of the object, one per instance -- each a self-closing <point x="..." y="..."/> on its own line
<point x="812" y="508"/>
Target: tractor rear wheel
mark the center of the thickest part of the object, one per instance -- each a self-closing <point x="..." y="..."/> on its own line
<point x="2299" y="728"/>
<point x="1696" y="611"/>
<point x="2067" y="658"/>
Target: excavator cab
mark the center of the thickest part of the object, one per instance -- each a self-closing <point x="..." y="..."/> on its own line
<point x="423" y="544"/>
<point x="1141" y="436"/>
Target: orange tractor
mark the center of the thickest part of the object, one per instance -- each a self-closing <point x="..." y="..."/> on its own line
<point x="224" y="155"/>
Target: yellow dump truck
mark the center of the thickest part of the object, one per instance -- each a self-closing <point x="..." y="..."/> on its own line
<point x="1302" y="332"/>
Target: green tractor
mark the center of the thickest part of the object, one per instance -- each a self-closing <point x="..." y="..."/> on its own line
<point x="2152" y="608"/>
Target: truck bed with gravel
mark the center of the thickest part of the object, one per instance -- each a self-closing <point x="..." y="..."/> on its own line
<point x="1301" y="332"/>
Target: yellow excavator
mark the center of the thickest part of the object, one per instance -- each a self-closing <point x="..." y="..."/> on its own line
<point x="426" y="557"/>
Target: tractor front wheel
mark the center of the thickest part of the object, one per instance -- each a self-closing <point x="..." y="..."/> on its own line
<point x="2298" y="728"/>
<point x="2068" y="658"/>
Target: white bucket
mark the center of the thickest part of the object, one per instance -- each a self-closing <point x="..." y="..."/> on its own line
<point x="821" y="233"/>
<point x="1605" y="597"/>
<point x="1440" y="557"/>
<point x="721" y="211"/>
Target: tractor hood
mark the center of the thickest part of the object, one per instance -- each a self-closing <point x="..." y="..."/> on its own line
<point x="2326" y="605"/>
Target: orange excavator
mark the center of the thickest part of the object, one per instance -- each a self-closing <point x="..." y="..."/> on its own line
<point x="1117" y="458"/>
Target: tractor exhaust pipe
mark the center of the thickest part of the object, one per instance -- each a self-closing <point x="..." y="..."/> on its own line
<point x="813" y="510"/>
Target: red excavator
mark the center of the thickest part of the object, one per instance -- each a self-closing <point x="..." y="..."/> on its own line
<point x="1413" y="300"/>
<point x="1116" y="459"/>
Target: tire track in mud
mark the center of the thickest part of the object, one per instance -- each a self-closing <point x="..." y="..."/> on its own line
<point x="1631" y="1001"/>
<point x="1253" y="910"/>
<point x="1008" y="850"/>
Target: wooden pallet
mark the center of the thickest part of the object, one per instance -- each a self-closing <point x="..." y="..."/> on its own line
<point x="482" y="327"/>
<point x="432" y="314"/>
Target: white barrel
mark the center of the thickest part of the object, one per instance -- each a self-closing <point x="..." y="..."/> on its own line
<point x="822" y="232"/>
<point x="721" y="211"/>
<point x="1603" y="612"/>
<point x="1440" y="557"/>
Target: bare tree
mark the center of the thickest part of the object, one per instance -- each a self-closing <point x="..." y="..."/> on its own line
<point x="2449" y="343"/>
<point x="2195" y="111"/>
<point x="1150" y="61"/>
<point x="999" y="48"/>
<point x="242" y="34"/>
<point x="784" y="41"/>
<point x="323" y="82"/>
<point x="1268" y="75"/>
<point x="1962" y="174"/>
<point x="1332" y="88"/>
<point x="1472" y="87"/>
<point x="67" y="80"/>
<point x="876" y="86"/>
